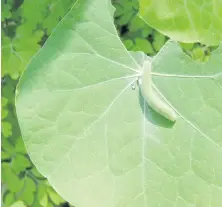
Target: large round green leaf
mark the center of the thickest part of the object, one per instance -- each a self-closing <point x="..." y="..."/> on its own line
<point x="95" y="138"/>
<point x="185" y="20"/>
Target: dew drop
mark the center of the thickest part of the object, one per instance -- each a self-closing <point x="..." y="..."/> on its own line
<point x="133" y="86"/>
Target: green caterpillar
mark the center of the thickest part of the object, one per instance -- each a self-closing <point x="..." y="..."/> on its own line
<point x="151" y="97"/>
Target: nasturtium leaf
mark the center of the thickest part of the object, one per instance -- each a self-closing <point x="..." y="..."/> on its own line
<point x="185" y="21"/>
<point x="95" y="138"/>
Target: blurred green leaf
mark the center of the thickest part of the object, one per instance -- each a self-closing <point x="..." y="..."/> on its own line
<point x="42" y="191"/>
<point x="125" y="10"/>
<point x="4" y="101"/>
<point x="25" y="26"/>
<point x="128" y="43"/>
<point x="18" y="204"/>
<point x="36" y="173"/>
<point x="6" y="129"/>
<point x="5" y="155"/>
<point x="20" y="163"/>
<point x="185" y="21"/>
<point x="143" y="45"/>
<point x="187" y="46"/>
<point x="27" y="194"/>
<point x="136" y="23"/>
<point x="4" y="108"/>
<point x="44" y="200"/>
<point x="55" y="198"/>
<point x="17" y="53"/>
<point x="14" y="184"/>
<point x="6" y="13"/>
<point x="56" y="9"/>
<point x="198" y="54"/>
<point x="8" y="146"/>
<point x="8" y="199"/>
<point x="159" y="40"/>
<point x="19" y="146"/>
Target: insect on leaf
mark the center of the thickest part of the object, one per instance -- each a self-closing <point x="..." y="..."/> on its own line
<point x="97" y="141"/>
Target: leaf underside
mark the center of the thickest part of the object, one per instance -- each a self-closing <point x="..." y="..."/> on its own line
<point x="95" y="138"/>
<point x="184" y="20"/>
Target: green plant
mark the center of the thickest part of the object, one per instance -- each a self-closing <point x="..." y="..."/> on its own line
<point x="25" y="26"/>
<point x="129" y="149"/>
<point x="101" y="143"/>
<point x="186" y="21"/>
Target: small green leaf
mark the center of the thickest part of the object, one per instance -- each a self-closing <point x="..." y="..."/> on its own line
<point x="125" y="11"/>
<point x="8" y="146"/>
<point x="8" y="199"/>
<point x="128" y="43"/>
<point x="20" y="163"/>
<point x="14" y="184"/>
<point x="27" y="194"/>
<point x="198" y="53"/>
<point x="187" y="46"/>
<point x="4" y="113"/>
<point x="136" y="23"/>
<point x="159" y="41"/>
<point x="18" y="204"/>
<point x="19" y="146"/>
<point x="44" y="200"/>
<point x="143" y="45"/>
<point x="36" y="173"/>
<point x="57" y="11"/>
<point x="5" y="155"/>
<point x="6" y="129"/>
<point x="55" y="197"/>
<point x="4" y="101"/>
<point x="6" y="13"/>
<point x="42" y="191"/>
<point x="50" y="205"/>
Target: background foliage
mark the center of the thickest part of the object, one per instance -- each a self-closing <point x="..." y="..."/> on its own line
<point x="26" y="25"/>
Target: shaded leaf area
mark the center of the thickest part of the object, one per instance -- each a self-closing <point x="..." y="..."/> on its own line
<point x="114" y="150"/>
